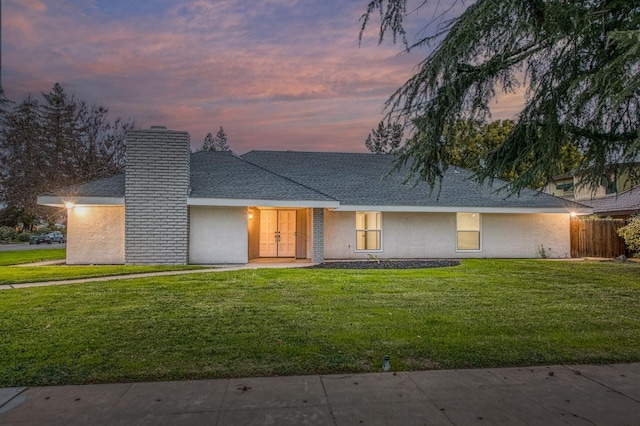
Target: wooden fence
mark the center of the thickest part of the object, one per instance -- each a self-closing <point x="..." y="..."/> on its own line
<point x="596" y="238"/>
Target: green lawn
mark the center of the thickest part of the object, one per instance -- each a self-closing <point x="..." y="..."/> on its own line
<point x="484" y="313"/>
<point x="32" y="274"/>
<point x="30" y="256"/>
<point x="12" y="274"/>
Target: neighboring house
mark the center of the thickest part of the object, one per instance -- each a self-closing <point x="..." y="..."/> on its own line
<point x="618" y="196"/>
<point x="561" y="186"/>
<point x="175" y="207"/>
<point x="619" y="206"/>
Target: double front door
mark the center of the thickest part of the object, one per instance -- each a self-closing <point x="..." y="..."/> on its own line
<point x="277" y="233"/>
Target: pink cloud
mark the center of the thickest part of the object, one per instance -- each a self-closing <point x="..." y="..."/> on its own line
<point x="296" y="84"/>
<point x="35" y="5"/>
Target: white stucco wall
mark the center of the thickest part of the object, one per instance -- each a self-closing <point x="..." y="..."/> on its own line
<point x="218" y="235"/>
<point x="513" y="235"/>
<point x="95" y="235"/>
<point x="433" y="235"/>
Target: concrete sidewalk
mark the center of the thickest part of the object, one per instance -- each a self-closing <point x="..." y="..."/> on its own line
<point x="555" y="395"/>
<point x="211" y="268"/>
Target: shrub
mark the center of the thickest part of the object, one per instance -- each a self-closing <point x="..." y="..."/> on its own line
<point x="7" y="233"/>
<point x="23" y="237"/>
<point x="544" y="253"/>
<point x="631" y="234"/>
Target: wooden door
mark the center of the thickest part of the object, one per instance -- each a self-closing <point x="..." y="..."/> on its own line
<point x="277" y="233"/>
<point x="268" y="236"/>
<point x="286" y="233"/>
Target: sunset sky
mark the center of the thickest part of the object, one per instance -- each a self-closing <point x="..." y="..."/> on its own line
<point x="277" y="74"/>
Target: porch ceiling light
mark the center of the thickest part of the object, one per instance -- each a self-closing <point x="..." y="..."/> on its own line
<point x="69" y="205"/>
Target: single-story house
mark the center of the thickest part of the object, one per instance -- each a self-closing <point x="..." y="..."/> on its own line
<point x="172" y="206"/>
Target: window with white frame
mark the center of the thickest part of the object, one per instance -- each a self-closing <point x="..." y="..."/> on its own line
<point x="368" y="231"/>
<point x="468" y="232"/>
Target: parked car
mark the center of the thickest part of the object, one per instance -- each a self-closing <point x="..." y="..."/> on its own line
<point x="55" y="237"/>
<point x="37" y="239"/>
<point x="51" y="237"/>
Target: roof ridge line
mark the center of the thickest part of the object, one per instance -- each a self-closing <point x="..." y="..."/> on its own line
<point x="288" y="178"/>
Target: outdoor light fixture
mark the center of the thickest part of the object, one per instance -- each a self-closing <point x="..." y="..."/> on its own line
<point x="69" y="205"/>
<point x="250" y="216"/>
<point x="574" y="214"/>
<point x="386" y="365"/>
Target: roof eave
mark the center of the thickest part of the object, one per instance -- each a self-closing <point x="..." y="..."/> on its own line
<point x="233" y="202"/>
<point x="617" y="212"/>
<point x="466" y="209"/>
<point x="62" y="201"/>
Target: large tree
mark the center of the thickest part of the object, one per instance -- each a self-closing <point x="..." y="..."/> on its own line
<point x="22" y="164"/>
<point x="217" y="143"/>
<point x="386" y="139"/>
<point x="469" y="143"/>
<point x="221" y="140"/>
<point x="579" y="61"/>
<point x="45" y="145"/>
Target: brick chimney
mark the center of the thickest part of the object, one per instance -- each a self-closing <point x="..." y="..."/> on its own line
<point x="156" y="190"/>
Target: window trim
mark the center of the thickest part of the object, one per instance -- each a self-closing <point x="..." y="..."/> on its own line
<point x="479" y="231"/>
<point x="355" y="234"/>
